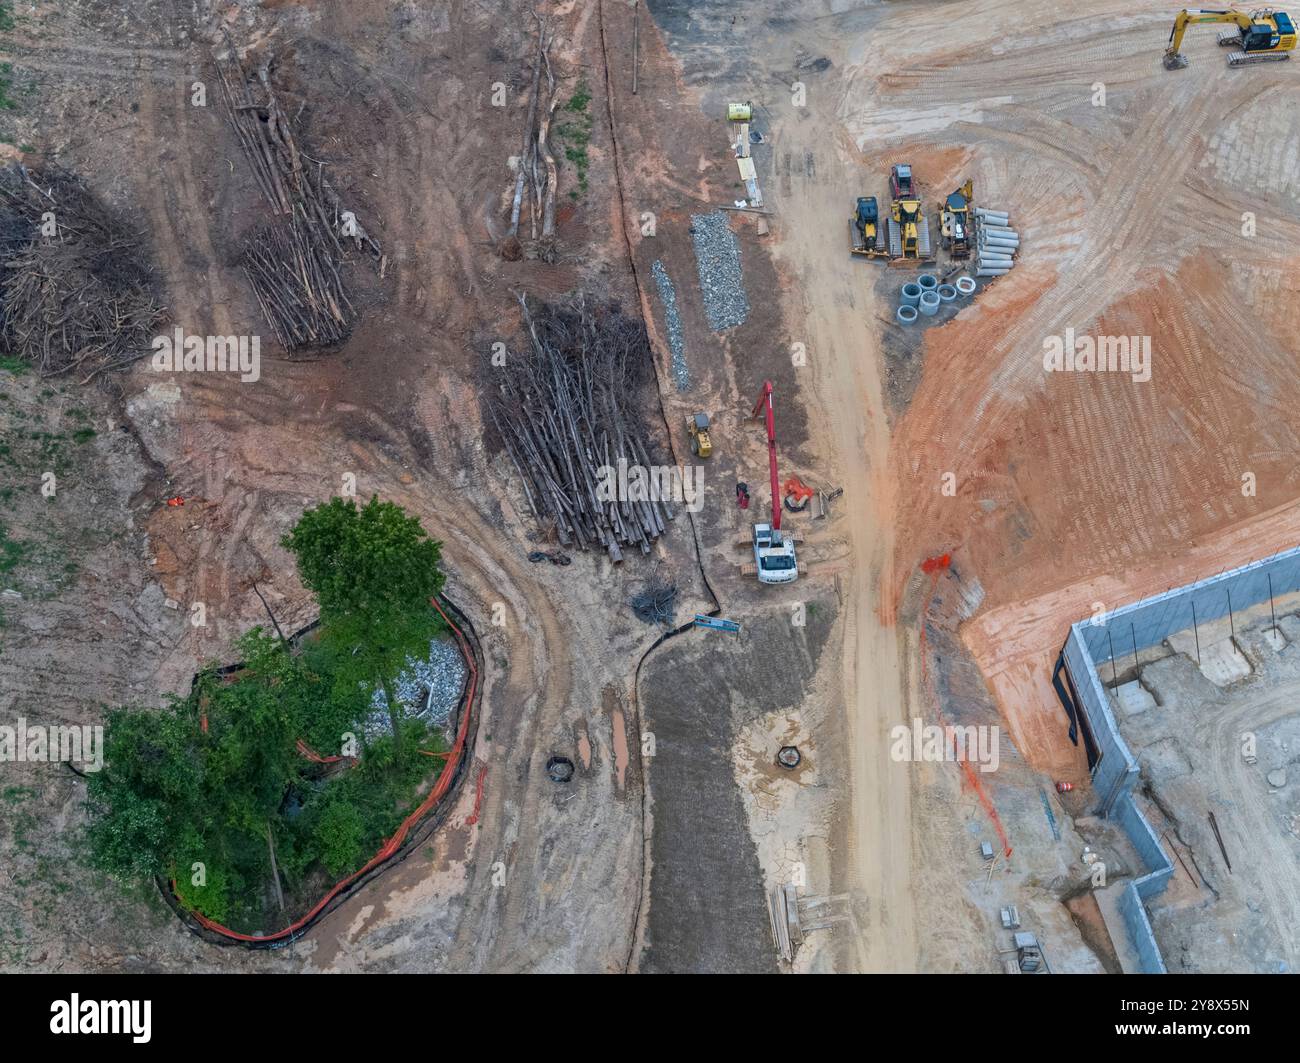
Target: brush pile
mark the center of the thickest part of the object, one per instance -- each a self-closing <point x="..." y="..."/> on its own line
<point x="293" y="262"/>
<point x="77" y="287"/>
<point x="657" y="604"/>
<point x="566" y="411"/>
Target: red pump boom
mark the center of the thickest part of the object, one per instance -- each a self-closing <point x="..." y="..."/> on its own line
<point x="765" y="398"/>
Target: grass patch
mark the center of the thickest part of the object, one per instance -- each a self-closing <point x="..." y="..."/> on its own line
<point x="6" y="85"/>
<point x="574" y="133"/>
<point x="12" y="551"/>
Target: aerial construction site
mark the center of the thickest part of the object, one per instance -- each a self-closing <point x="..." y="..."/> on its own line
<point x="467" y="504"/>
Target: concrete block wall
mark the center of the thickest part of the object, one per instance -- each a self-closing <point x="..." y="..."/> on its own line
<point x="1113" y="778"/>
<point x="1116" y="769"/>
<point x="1128" y="630"/>
<point x="1138" y="927"/>
<point x="1154" y="619"/>
<point x="1143" y="836"/>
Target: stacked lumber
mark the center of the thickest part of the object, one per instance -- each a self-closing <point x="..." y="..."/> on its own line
<point x="77" y="288"/>
<point x="566" y="411"/>
<point x="293" y="262"/>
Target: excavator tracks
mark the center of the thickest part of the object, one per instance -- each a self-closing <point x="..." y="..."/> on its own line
<point x="1249" y="58"/>
<point x="924" y="248"/>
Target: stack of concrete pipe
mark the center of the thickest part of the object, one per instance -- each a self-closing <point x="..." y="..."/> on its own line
<point x="996" y="243"/>
<point x="926" y="293"/>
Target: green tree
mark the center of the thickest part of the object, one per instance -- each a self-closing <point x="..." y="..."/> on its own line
<point x="374" y="571"/>
<point x="216" y="777"/>
<point x="340" y="836"/>
<point x="150" y="792"/>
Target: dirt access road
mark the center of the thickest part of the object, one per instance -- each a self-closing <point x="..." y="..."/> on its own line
<point x="829" y="307"/>
<point x="833" y="300"/>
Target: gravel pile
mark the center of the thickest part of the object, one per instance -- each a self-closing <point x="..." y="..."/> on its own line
<point x="717" y="253"/>
<point x="427" y="689"/>
<point x="668" y="295"/>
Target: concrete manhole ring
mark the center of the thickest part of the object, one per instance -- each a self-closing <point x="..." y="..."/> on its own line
<point x="789" y="757"/>
<point x="560" y="769"/>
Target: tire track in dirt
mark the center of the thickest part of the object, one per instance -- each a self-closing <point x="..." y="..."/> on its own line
<point x="183" y="239"/>
<point x="1247" y="814"/>
<point x="845" y="384"/>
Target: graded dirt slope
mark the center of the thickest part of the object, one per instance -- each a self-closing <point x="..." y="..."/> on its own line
<point x="1131" y="216"/>
<point x="1131" y="207"/>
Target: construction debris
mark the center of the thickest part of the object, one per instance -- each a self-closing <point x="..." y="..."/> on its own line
<point x="78" y="287"/>
<point x="657" y="604"/>
<point x="536" y="171"/>
<point x="740" y="115"/>
<point x="717" y="623"/>
<point x="567" y="412"/>
<point x="293" y="262"/>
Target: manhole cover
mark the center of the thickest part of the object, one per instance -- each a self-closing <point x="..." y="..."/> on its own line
<point x="560" y="769"/>
<point x="788" y="757"/>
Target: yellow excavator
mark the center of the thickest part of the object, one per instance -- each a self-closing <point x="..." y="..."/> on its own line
<point x="1261" y="36"/>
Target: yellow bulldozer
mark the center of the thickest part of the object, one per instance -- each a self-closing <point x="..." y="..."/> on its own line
<point x="698" y="429"/>
<point x="909" y="228"/>
<point x="864" y="230"/>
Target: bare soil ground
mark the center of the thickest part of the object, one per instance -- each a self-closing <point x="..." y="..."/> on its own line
<point x="1212" y="742"/>
<point x="1132" y="212"/>
<point x="1071" y="488"/>
<point x="397" y="100"/>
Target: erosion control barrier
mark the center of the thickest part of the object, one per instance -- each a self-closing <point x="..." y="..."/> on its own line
<point x="412" y="831"/>
<point x="1129" y="630"/>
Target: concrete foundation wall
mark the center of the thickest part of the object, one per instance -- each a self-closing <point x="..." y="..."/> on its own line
<point x="1116" y="769"/>
<point x="1131" y="629"/>
<point x="1139" y="931"/>
<point x="1113" y="778"/>
<point x="1152" y="620"/>
<point x="1131" y="905"/>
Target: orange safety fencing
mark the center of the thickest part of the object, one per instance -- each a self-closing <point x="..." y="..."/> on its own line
<point x="935" y="566"/>
<point x="305" y="750"/>
<point x="393" y="844"/>
<point x="478" y="797"/>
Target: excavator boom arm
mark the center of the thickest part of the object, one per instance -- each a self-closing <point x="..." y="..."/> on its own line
<point x="1187" y="18"/>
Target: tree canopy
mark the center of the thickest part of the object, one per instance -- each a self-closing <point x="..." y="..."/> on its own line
<point x="374" y="570"/>
<point x="212" y="790"/>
